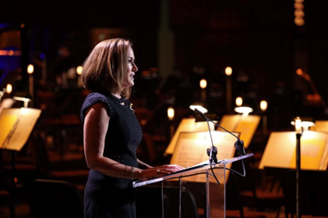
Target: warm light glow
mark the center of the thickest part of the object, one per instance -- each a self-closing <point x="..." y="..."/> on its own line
<point x="299" y="71"/>
<point x="79" y="70"/>
<point x="203" y="83"/>
<point x="299" y="21"/>
<point x="263" y="105"/>
<point x="199" y="107"/>
<point x="298" y="125"/>
<point x="244" y="110"/>
<point x="303" y="124"/>
<point x="298" y="5"/>
<point x="228" y="71"/>
<point x="307" y="124"/>
<point x="239" y="101"/>
<point x="170" y="113"/>
<point x="30" y="69"/>
<point x="299" y="13"/>
<point x="25" y="100"/>
<point x="10" y="53"/>
<point x="9" y="88"/>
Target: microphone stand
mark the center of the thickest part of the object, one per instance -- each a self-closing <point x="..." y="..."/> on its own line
<point x="239" y="144"/>
<point x="212" y="151"/>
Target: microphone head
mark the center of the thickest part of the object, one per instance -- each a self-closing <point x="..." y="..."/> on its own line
<point x="197" y="111"/>
<point x="239" y="145"/>
<point x="200" y="113"/>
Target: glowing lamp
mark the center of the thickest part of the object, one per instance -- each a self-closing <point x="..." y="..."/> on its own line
<point x="239" y="101"/>
<point x="30" y="69"/>
<point x="263" y="105"/>
<point x="244" y="110"/>
<point x="9" y="88"/>
<point x="170" y="113"/>
<point x="228" y="71"/>
<point x="199" y="107"/>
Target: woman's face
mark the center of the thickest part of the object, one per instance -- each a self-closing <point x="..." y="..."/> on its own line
<point x="131" y="69"/>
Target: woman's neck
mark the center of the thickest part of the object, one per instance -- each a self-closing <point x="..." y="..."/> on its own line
<point x="117" y="95"/>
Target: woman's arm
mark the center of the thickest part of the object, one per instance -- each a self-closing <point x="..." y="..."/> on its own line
<point x="94" y="134"/>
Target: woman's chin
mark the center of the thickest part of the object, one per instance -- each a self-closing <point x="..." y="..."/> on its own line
<point x="131" y="83"/>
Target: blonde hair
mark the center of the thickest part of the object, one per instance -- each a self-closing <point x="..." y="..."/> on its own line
<point x="105" y="67"/>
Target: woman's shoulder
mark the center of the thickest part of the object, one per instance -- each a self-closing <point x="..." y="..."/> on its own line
<point x="95" y="97"/>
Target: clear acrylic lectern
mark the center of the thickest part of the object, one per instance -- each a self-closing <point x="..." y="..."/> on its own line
<point x="206" y="169"/>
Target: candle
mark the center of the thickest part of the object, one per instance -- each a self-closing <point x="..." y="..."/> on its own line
<point x="79" y="72"/>
<point x="30" y="70"/>
<point x="203" y="84"/>
<point x="264" y="106"/>
<point x="170" y="115"/>
<point x="228" y="72"/>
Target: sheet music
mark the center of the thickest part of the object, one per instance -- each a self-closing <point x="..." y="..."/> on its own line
<point x="191" y="149"/>
<point x="8" y="119"/>
<point x="281" y="147"/>
<point x="244" y="125"/>
<point x="20" y="125"/>
<point x="187" y="125"/>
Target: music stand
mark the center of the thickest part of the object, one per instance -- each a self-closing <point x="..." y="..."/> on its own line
<point x="16" y="125"/>
<point x="203" y="167"/>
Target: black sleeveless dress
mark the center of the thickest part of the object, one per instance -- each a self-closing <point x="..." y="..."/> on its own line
<point x="105" y="196"/>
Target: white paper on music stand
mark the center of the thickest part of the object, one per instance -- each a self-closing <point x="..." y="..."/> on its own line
<point x="191" y="149"/>
<point x="187" y="125"/>
<point x="18" y="124"/>
<point x="281" y="149"/>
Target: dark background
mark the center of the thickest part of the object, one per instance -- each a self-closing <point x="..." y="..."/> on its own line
<point x="258" y="39"/>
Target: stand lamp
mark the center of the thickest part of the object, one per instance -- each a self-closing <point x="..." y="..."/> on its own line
<point x="203" y="84"/>
<point x="239" y="101"/>
<point x="243" y="110"/>
<point x="24" y="100"/>
<point x="264" y="106"/>
<point x="170" y="115"/>
<point x="298" y="130"/>
<point x="228" y="72"/>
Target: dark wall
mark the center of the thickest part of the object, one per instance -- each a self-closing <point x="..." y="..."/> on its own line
<point x="256" y="38"/>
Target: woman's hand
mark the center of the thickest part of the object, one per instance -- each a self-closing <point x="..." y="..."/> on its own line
<point x="159" y="171"/>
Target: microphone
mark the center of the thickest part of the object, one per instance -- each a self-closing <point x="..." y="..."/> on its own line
<point x="239" y="144"/>
<point x="201" y="114"/>
<point x="211" y="152"/>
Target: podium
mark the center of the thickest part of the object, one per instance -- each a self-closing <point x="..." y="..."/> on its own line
<point x="202" y="168"/>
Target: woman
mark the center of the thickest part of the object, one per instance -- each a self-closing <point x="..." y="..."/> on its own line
<point x="112" y="133"/>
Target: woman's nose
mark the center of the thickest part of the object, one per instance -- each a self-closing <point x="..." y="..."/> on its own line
<point x="135" y="68"/>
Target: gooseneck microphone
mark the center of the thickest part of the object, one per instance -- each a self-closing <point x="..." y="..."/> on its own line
<point x="211" y="152"/>
<point x="239" y="144"/>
